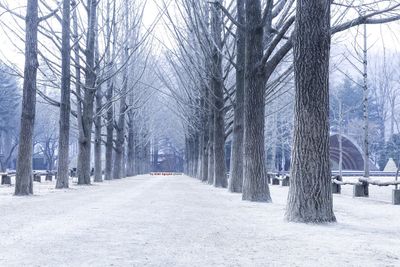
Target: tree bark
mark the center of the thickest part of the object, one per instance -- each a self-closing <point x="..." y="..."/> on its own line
<point x="130" y="164"/>
<point x="255" y="184"/>
<point x="217" y="86"/>
<point x="365" y="105"/>
<point x="65" y="104"/>
<point x="155" y="154"/>
<point x="120" y="127"/>
<point x="236" y="172"/>
<point x="210" y="175"/>
<point x="310" y="195"/>
<point x="109" y="96"/>
<point x="23" y="184"/>
<point x="85" y="136"/>
<point x="98" y="172"/>
<point x="204" y="164"/>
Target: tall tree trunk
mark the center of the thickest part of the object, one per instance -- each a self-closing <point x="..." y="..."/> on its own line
<point x="23" y="185"/>
<point x="123" y="167"/>
<point x="217" y="86"/>
<point x="310" y="195"/>
<point x="110" y="132"/>
<point x="138" y="153"/>
<point x="85" y="136"/>
<point x="201" y="130"/>
<point x="204" y="164"/>
<point x="65" y="106"/>
<point x="130" y="163"/>
<point x="119" y="144"/>
<point x="78" y="89"/>
<point x="196" y="153"/>
<point x="340" y="138"/>
<point x="98" y="172"/>
<point x="210" y="175"/>
<point x="155" y="154"/>
<point x="236" y="172"/>
<point x="109" y="96"/>
<point x="392" y="113"/>
<point x="255" y="184"/>
<point x="147" y="158"/>
<point x="120" y="127"/>
<point x="365" y="105"/>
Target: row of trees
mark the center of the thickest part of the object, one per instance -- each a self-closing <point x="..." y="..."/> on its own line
<point x="95" y="58"/>
<point x="230" y="60"/>
<point x="229" y="63"/>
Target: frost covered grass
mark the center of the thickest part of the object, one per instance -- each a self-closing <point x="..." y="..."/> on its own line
<point x="178" y="221"/>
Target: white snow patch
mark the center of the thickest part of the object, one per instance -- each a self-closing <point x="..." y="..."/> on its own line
<point x="178" y="221"/>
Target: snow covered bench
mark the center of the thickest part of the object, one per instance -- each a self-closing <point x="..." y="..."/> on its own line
<point x="360" y="187"/>
<point x="5" y="178"/>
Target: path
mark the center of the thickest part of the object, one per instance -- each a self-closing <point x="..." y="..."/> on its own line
<point x="178" y="221"/>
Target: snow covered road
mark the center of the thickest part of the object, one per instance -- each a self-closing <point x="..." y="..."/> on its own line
<point x="178" y="221"/>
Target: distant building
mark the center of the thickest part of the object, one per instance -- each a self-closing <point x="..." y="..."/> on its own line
<point x="352" y="154"/>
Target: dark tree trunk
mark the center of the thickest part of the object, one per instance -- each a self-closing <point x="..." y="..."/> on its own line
<point x="119" y="166"/>
<point x="147" y="158"/>
<point x="119" y="144"/>
<point x="85" y="136"/>
<point x="236" y="172"/>
<point x="217" y="86"/>
<point x="78" y="90"/>
<point x="110" y="131"/>
<point x="310" y="196"/>
<point x="210" y="175"/>
<point x="109" y="96"/>
<point x="204" y="164"/>
<point x="255" y="184"/>
<point x="120" y="129"/>
<point x="130" y="163"/>
<point x="155" y="154"/>
<point x="98" y="172"/>
<point x="196" y="153"/>
<point x="23" y="185"/>
<point x="65" y="104"/>
<point x="123" y="168"/>
<point x="202" y="132"/>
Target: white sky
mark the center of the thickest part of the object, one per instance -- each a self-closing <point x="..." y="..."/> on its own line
<point x="379" y="36"/>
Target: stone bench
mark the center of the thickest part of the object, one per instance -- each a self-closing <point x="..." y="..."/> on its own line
<point x="285" y="181"/>
<point x="37" y="178"/>
<point x="49" y="177"/>
<point x="5" y="179"/>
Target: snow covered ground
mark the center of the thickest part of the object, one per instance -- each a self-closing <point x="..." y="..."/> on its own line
<point x="178" y="221"/>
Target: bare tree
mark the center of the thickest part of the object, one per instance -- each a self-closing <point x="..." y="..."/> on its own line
<point x="236" y="173"/>
<point x="23" y="185"/>
<point x="85" y="125"/>
<point x="310" y="195"/>
<point x="65" y="104"/>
